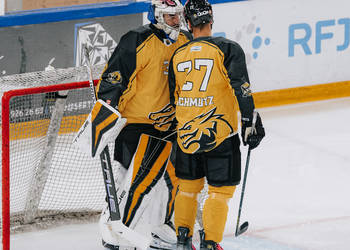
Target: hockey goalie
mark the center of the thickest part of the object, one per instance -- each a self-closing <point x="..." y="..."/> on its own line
<point x="135" y="82"/>
<point x="144" y="205"/>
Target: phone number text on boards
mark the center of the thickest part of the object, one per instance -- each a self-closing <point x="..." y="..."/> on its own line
<point x="40" y="110"/>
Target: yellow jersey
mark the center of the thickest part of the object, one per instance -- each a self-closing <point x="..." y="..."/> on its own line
<point x="208" y="83"/>
<point x="136" y="76"/>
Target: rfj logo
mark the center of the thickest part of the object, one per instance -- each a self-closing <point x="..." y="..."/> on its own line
<point x="95" y="37"/>
<point x="308" y="39"/>
<point x="252" y="35"/>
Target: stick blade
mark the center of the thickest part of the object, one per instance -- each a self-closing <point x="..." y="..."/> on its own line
<point x="242" y="229"/>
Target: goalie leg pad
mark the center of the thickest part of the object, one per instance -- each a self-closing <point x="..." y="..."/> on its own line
<point x="115" y="233"/>
<point x="165" y="233"/>
<point x="109" y="239"/>
<point x="148" y="166"/>
<point x="128" y="140"/>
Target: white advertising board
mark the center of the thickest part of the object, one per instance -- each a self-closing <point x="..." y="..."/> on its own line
<point x="289" y="43"/>
<point x="2" y="7"/>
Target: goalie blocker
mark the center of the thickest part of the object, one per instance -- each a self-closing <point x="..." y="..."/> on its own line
<point x="102" y="126"/>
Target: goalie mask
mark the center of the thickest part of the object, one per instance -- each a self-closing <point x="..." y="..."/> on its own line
<point x="198" y="12"/>
<point x="174" y="10"/>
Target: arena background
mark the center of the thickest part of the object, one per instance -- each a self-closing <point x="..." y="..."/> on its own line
<point x="297" y="51"/>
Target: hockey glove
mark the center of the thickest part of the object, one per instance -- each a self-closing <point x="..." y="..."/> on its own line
<point x="251" y="136"/>
<point x="102" y="126"/>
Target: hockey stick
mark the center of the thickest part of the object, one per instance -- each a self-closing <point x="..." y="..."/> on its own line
<point x="116" y="225"/>
<point x="244" y="227"/>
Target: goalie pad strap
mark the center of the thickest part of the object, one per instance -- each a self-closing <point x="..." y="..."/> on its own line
<point x="172" y="183"/>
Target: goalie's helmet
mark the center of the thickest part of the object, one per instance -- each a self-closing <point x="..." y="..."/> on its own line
<point x="156" y="15"/>
<point x="198" y="12"/>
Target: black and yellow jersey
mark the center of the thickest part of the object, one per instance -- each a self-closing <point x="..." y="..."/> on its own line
<point x="136" y="76"/>
<point x="207" y="77"/>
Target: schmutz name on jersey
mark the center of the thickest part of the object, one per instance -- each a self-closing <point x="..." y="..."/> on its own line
<point x="195" y="101"/>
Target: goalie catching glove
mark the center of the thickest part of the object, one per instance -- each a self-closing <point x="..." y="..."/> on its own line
<point x="252" y="130"/>
<point x="102" y="126"/>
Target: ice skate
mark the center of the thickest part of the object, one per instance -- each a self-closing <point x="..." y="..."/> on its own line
<point x="184" y="242"/>
<point x="204" y="245"/>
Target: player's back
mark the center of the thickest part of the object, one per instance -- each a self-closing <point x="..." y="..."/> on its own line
<point x="203" y="92"/>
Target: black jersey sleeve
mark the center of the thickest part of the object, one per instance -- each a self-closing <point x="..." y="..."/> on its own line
<point x="236" y="67"/>
<point x="172" y="82"/>
<point x="120" y="67"/>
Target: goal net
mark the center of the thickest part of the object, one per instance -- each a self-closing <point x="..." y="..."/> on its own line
<point x="45" y="179"/>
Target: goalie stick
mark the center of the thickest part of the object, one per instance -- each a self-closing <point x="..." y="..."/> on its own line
<point x="116" y="226"/>
<point x="244" y="227"/>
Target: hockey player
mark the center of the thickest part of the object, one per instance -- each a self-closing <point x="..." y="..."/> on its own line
<point x="135" y="81"/>
<point x="209" y="83"/>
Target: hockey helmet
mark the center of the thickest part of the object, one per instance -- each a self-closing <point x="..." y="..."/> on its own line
<point x="156" y="16"/>
<point x="198" y="12"/>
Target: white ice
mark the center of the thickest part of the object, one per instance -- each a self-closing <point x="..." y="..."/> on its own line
<point x="297" y="193"/>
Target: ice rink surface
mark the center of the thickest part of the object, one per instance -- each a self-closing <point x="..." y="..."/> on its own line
<point x="297" y="193"/>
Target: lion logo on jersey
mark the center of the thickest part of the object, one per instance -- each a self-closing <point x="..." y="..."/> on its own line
<point x="200" y="134"/>
<point x="163" y="118"/>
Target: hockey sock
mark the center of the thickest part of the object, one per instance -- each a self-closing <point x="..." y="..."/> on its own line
<point x="215" y="212"/>
<point x="186" y="203"/>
